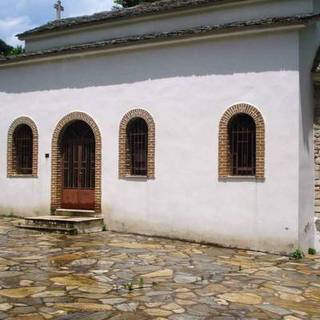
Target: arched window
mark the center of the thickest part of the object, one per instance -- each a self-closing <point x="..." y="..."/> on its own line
<point x="242" y="142"/>
<point x="22" y="149"/>
<point x="137" y="146"/>
<point x="22" y="154"/>
<point x="242" y="145"/>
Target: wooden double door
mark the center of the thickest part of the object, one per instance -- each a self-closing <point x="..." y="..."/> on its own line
<point x="78" y="167"/>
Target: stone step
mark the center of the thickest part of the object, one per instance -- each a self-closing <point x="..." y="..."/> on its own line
<point x="70" y="231"/>
<point x="64" y="224"/>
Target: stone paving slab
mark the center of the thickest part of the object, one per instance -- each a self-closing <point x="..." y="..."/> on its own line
<point x="127" y="277"/>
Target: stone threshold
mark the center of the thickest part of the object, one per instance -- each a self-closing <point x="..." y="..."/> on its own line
<point x="76" y="213"/>
<point x="63" y="218"/>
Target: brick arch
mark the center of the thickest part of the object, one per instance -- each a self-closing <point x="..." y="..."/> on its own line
<point x="224" y="159"/>
<point x="124" y="162"/>
<point x="11" y="170"/>
<point x="56" y="158"/>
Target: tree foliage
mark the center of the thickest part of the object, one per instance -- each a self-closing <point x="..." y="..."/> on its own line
<point x="4" y="48"/>
<point x="16" y="51"/>
<point x="131" y="3"/>
<point x="7" y="50"/>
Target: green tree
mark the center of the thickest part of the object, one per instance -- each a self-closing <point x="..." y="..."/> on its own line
<point x="131" y="3"/>
<point x="7" y="50"/>
<point x="4" y="48"/>
<point x="16" y="51"/>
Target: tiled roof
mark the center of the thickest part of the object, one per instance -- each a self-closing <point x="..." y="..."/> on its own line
<point x="165" y="36"/>
<point x="158" y="7"/>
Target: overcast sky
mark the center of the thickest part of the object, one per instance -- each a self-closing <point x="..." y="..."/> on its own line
<point x="20" y="15"/>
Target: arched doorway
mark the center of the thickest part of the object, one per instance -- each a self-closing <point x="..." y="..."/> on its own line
<point x="76" y="164"/>
<point x="77" y="151"/>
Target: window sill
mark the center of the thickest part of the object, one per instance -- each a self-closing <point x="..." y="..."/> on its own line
<point x="138" y="178"/>
<point x="241" y="178"/>
<point x="26" y="176"/>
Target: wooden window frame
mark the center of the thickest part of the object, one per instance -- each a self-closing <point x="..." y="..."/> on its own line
<point x="242" y="145"/>
<point x="22" y="149"/>
<point x="137" y="146"/>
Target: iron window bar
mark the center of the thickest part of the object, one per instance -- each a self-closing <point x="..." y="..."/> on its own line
<point x="242" y="143"/>
<point x="23" y="149"/>
<point x="137" y="142"/>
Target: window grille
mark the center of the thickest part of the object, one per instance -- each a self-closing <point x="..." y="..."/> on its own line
<point x="23" y="149"/>
<point x="242" y="143"/>
<point x="78" y="153"/>
<point x="137" y="139"/>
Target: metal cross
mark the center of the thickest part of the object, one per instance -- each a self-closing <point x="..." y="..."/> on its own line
<point x="59" y="8"/>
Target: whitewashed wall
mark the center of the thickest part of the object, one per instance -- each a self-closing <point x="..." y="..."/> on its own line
<point x="213" y="15"/>
<point x="186" y="89"/>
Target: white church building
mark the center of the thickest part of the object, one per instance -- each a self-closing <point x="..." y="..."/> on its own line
<point x="188" y="119"/>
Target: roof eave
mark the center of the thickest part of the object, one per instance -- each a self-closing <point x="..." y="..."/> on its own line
<point x="90" y="49"/>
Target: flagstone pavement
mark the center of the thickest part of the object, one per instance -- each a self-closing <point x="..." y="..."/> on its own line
<point x="125" y="277"/>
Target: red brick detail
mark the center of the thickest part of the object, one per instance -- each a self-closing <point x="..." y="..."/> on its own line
<point x="11" y="170"/>
<point x="224" y="154"/>
<point x="316" y="137"/>
<point x="124" y="161"/>
<point x="56" y="175"/>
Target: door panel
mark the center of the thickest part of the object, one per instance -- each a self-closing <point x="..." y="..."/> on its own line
<point x="70" y="199"/>
<point x="78" y="199"/>
<point x="78" y="167"/>
<point x="86" y="199"/>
